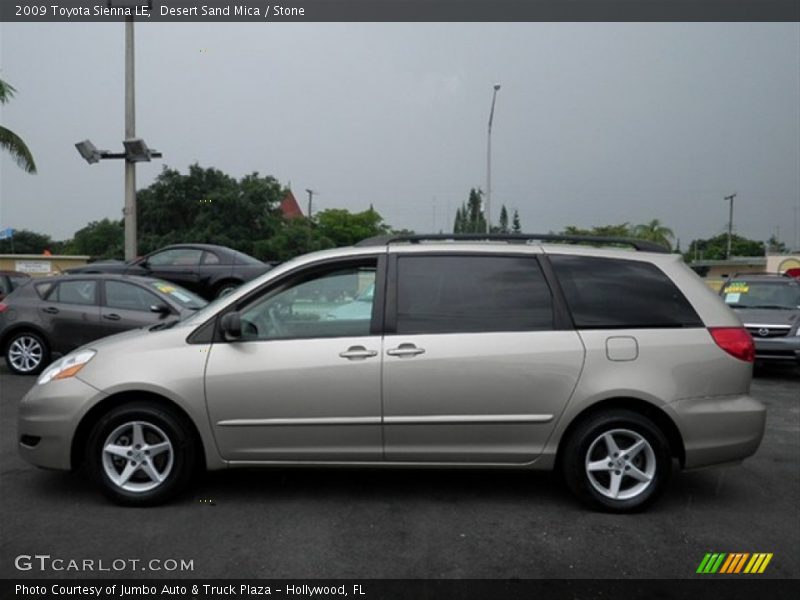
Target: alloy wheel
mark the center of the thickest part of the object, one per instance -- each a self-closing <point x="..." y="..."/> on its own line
<point x="137" y="456"/>
<point x="25" y="353"/>
<point x="620" y="464"/>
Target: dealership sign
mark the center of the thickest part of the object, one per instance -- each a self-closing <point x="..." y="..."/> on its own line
<point x="33" y="266"/>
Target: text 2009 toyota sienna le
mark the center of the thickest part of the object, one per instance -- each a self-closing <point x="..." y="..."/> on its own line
<point x="606" y="364"/>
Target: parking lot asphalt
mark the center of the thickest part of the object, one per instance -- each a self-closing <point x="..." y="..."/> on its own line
<point x="346" y="523"/>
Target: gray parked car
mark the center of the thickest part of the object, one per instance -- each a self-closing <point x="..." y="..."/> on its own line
<point x="58" y="314"/>
<point x="606" y="364"/>
<point x="769" y="306"/>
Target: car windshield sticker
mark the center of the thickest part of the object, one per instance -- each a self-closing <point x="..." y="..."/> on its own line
<point x="163" y="287"/>
<point x="181" y="296"/>
<point x="732" y="298"/>
<point x="737" y="287"/>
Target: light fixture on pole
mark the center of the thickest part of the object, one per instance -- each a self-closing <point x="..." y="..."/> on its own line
<point x="730" y="224"/>
<point x="488" y="215"/>
<point x="135" y="148"/>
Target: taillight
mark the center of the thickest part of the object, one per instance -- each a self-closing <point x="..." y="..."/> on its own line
<point x="736" y="341"/>
<point x="3" y="307"/>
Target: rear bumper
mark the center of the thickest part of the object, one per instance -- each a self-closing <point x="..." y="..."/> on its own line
<point x="721" y="429"/>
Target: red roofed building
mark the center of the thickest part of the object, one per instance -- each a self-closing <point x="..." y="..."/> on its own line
<point x="290" y="209"/>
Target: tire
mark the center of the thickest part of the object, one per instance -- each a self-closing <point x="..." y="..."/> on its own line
<point x="155" y="472"/>
<point x="226" y="288"/>
<point x="620" y="482"/>
<point x="27" y="353"/>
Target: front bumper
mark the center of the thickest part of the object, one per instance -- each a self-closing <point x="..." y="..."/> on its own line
<point x="719" y="429"/>
<point x="47" y="419"/>
<point x="779" y="348"/>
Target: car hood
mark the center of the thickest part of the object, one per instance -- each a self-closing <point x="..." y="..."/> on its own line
<point x="768" y="316"/>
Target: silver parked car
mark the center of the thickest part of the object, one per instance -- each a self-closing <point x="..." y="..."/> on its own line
<point x="607" y="364"/>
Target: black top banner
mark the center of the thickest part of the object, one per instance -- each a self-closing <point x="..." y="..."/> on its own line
<point x="267" y="11"/>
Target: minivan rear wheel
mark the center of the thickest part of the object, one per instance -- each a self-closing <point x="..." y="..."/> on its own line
<point x="141" y="454"/>
<point x="617" y="461"/>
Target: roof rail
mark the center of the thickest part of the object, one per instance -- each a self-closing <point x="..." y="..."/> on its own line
<point x="385" y="240"/>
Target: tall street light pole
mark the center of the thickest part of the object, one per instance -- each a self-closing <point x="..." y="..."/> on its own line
<point x="130" y="133"/>
<point x="730" y="223"/>
<point x="489" y="164"/>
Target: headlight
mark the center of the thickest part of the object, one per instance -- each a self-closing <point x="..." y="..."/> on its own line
<point x="67" y="366"/>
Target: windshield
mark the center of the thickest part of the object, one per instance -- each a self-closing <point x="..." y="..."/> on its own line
<point x="762" y="294"/>
<point x="179" y="295"/>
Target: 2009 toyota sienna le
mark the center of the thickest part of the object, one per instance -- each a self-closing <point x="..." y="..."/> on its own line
<point x="521" y="351"/>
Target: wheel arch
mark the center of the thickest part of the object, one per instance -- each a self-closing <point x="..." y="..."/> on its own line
<point x="93" y="415"/>
<point x="659" y="417"/>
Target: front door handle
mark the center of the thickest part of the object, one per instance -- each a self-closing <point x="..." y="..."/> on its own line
<point x="112" y="317"/>
<point x="405" y="350"/>
<point x="50" y="310"/>
<point x="357" y="353"/>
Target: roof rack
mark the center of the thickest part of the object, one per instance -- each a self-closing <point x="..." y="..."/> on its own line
<point x="640" y="245"/>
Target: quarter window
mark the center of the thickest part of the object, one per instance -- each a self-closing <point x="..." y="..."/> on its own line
<point x="453" y="294"/>
<point x="605" y="293"/>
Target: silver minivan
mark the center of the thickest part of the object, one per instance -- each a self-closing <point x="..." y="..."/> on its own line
<point x="607" y="364"/>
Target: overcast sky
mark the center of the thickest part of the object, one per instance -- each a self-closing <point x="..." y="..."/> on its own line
<point x="594" y="124"/>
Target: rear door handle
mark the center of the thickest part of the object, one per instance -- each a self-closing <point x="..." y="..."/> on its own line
<point x="405" y="350"/>
<point x="50" y="310"/>
<point x="112" y="317"/>
<point x="357" y="353"/>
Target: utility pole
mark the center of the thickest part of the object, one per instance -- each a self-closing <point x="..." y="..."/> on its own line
<point x="310" y="200"/>
<point x="488" y="214"/>
<point x="130" y="133"/>
<point x="730" y="223"/>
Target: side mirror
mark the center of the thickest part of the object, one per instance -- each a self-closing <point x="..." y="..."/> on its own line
<point x="231" y="326"/>
<point x="160" y="308"/>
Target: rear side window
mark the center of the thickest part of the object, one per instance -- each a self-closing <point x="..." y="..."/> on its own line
<point x="606" y="293"/>
<point x="455" y="294"/>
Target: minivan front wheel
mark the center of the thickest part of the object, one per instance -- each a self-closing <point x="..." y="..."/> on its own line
<point x="141" y="454"/>
<point x="617" y="461"/>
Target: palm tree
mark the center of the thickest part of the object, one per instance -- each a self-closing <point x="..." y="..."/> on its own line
<point x="655" y="232"/>
<point x="10" y="141"/>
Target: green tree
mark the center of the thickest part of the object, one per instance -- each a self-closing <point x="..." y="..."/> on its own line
<point x="715" y="248"/>
<point x="25" y="241"/>
<point x="775" y="246"/>
<point x="10" y="141"/>
<point x="458" y="224"/>
<point x="292" y="238"/>
<point x="654" y="231"/>
<point x="344" y="228"/>
<point x="516" y="226"/>
<point x="99" y="239"/>
<point x="206" y="205"/>
<point x="503" y="228"/>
